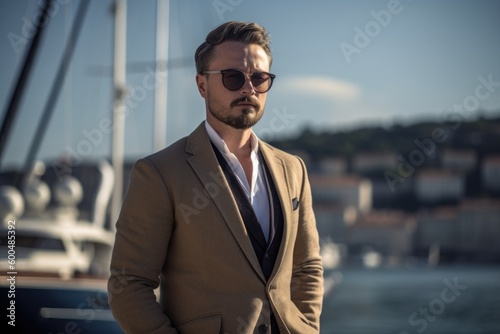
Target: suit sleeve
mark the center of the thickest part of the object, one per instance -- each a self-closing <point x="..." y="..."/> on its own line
<point x="143" y="232"/>
<point x="307" y="275"/>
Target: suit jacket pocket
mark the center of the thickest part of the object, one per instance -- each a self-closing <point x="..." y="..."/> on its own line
<point x="298" y="322"/>
<point x="209" y="324"/>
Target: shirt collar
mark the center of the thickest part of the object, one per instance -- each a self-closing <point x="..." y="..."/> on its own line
<point x="221" y="144"/>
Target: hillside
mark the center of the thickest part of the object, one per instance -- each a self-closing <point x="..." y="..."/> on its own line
<point x="481" y="135"/>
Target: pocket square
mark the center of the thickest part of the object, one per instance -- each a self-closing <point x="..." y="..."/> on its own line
<point x="295" y="203"/>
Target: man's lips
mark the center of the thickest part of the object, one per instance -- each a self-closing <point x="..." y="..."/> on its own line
<point x="246" y="105"/>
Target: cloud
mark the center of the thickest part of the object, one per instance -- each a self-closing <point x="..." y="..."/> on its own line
<point x="320" y="86"/>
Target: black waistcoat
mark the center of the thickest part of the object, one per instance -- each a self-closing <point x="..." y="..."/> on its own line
<point x="266" y="252"/>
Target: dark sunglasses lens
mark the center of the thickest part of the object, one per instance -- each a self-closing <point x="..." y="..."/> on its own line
<point x="233" y="80"/>
<point x="261" y="81"/>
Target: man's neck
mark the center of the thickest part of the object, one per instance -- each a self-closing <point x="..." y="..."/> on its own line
<point x="238" y="141"/>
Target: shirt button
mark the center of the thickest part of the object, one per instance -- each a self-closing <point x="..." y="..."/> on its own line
<point x="263" y="329"/>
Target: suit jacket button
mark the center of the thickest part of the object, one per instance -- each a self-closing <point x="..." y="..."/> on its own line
<point x="263" y="329"/>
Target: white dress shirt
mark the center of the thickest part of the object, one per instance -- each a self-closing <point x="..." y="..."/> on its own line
<point x="256" y="192"/>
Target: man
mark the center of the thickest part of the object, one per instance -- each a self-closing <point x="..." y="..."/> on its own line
<point x="220" y="220"/>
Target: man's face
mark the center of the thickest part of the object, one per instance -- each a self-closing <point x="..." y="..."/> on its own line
<point x="242" y="108"/>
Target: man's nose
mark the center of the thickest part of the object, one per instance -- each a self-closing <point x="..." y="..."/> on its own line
<point x="248" y="88"/>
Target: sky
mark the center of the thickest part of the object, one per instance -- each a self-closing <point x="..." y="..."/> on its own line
<point x="339" y="65"/>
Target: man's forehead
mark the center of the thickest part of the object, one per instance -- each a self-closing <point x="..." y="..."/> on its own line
<point x="238" y="52"/>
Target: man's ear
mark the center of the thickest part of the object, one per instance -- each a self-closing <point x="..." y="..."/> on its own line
<point x="201" y="83"/>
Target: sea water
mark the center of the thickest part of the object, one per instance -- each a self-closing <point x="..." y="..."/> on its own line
<point x="444" y="300"/>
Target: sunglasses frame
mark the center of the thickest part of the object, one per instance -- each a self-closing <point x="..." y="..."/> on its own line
<point x="223" y="72"/>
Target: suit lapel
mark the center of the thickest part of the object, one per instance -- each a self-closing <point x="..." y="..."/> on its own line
<point x="280" y="177"/>
<point x="245" y="207"/>
<point x="205" y="165"/>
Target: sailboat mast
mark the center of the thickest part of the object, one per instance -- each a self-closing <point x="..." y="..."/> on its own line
<point x="120" y="89"/>
<point x="162" y="35"/>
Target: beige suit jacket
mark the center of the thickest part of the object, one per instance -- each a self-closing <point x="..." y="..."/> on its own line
<point x="180" y="229"/>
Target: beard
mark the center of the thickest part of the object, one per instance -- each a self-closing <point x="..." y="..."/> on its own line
<point x="246" y="119"/>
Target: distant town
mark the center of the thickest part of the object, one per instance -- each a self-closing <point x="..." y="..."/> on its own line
<point x="427" y="192"/>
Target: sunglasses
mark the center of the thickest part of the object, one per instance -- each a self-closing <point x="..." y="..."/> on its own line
<point x="235" y="79"/>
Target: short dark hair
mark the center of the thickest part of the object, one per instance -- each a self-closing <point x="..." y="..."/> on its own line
<point x="248" y="33"/>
